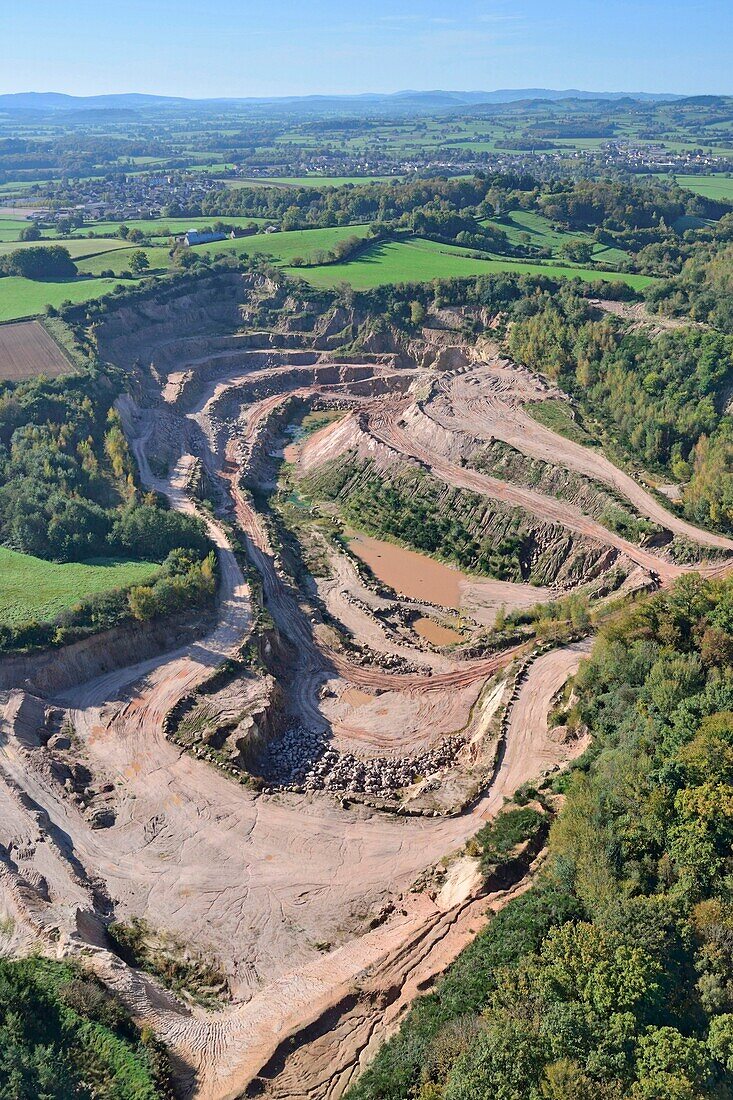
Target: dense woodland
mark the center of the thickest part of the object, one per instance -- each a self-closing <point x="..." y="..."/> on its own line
<point x="663" y="399"/>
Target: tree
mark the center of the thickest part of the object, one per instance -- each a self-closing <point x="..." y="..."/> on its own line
<point x="139" y="262"/>
<point x="30" y="233"/>
<point x="417" y="313"/>
<point x="579" y="251"/>
<point x="41" y="262"/>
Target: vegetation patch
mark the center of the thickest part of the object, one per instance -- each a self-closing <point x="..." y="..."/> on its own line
<point x="63" y="1036"/>
<point x="179" y="968"/>
<point x="456" y="525"/>
<point x="563" y="419"/>
<point x="663" y="400"/>
<point x="498" y="842"/>
<point x="32" y="588"/>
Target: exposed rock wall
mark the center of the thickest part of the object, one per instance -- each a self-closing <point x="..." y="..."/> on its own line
<point x="54" y="670"/>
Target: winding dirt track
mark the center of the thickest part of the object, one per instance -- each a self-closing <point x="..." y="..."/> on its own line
<point x="477" y="402"/>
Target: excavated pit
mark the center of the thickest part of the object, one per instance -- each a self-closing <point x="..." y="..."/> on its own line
<point x="268" y="793"/>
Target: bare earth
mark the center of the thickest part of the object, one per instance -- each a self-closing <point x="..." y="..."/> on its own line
<point x="26" y="350"/>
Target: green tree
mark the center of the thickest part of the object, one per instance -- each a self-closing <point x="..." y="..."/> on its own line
<point x="139" y="262"/>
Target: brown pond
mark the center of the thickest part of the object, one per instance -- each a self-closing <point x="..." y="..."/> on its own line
<point x="433" y="632"/>
<point x="414" y="575"/>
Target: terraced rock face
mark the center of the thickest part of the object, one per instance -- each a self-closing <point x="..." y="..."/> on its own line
<point x="478" y="534"/>
<point x="271" y="799"/>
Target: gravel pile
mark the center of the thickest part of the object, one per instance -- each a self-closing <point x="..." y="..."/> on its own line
<point x="305" y="761"/>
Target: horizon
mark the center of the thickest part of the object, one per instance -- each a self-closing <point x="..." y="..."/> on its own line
<point x="278" y="50"/>
<point x="362" y="94"/>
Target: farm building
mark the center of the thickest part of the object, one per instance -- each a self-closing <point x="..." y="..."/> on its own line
<point x="195" y="237"/>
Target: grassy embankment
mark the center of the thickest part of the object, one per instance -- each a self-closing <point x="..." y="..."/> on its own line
<point x="32" y="588"/>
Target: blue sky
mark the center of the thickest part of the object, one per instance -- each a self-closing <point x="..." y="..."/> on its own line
<point x="293" y="47"/>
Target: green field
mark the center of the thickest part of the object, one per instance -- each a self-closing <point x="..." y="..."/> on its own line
<point x="542" y="234"/>
<point x="10" y="228"/>
<point x="27" y="298"/>
<point x="712" y="187"/>
<point x="283" y="247"/>
<point x="414" y="260"/>
<point x="75" y="248"/>
<point x="420" y="261"/>
<point x="119" y="260"/>
<point x="32" y="588"/>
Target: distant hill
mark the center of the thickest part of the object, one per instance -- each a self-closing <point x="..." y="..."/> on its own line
<point x="397" y="102"/>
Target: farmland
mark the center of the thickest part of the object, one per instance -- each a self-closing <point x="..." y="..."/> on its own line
<point x="21" y="297"/>
<point x="27" y="350"/>
<point x="165" y="227"/>
<point x="421" y="261"/>
<point x="76" y="247"/>
<point x="32" y="588"/>
<point x="282" y="247"/>
<point x="712" y="186"/>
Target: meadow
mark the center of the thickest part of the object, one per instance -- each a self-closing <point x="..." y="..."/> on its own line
<point x="421" y="261"/>
<point x="282" y="247"/>
<point x="712" y="187"/>
<point x="27" y="297"/>
<point x="77" y="249"/>
<point x="542" y="234"/>
<point x="32" y="588"/>
<point x="166" y="227"/>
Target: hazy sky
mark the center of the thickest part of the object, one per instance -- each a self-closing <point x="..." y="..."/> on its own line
<point x="293" y="47"/>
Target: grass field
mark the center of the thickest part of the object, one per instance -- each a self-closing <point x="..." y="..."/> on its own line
<point x="75" y="248"/>
<point x="10" y="228"/>
<point x="712" y="187"/>
<point x="283" y="247"/>
<point x="540" y="229"/>
<point x="420" y="261"/>
<point x="31" y="588"/>
<point x="164" y="227"/>
<point x="119" y="260"/>
<point x="27" y="298"/>
<point x="26" y="350"/>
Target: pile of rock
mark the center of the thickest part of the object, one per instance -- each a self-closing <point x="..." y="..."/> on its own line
<point x="302" y="760"/>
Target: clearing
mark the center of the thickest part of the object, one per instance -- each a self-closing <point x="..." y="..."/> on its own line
<point x="713" y="186"/>
<point x="21" y="297"/>
<point x="32" y="588"/>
